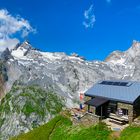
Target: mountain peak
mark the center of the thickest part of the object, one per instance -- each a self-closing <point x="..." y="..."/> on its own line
<point x="134" y="50"/>
<point x="22" y="49"/>
<point x="27" y="42"/>
<point x="26" y="45"/>
<point x="135" y="44"/>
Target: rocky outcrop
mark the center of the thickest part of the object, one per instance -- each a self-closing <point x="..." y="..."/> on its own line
<point x="1" y="86"/>
<point x="67" y="76"/>
<point x="25" y="108"/>
<point x="3" y="79"/>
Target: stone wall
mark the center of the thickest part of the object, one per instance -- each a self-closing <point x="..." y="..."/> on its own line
<point x="129" y="107"/>
<point x="90" y="119"/>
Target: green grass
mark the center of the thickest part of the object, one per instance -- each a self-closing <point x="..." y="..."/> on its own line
<point x="51" y="107"/>
<point x="43" y="132"/>
<point x="61" y="128"/>
<point x="28" y="109"/>
<point x="36" y="100"/>
<point x="130" y="133"/>
<point x="30" y="100"/>
<point x="4" y="106"/>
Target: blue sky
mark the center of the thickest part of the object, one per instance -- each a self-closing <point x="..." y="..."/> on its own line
<point x="113" y="24"/>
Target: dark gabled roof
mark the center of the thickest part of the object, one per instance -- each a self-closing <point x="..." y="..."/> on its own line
<point x="97" y="101"/>
<point x="125" y="91"/>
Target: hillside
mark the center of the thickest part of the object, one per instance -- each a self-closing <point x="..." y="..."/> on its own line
<point x="67" y="75"/>
<point x="64" y="76"/>
<point x="25" y="108"/>
<point x="61" y="128"/>
<point x="130" y="133"/>
<point x="3" y="78"/>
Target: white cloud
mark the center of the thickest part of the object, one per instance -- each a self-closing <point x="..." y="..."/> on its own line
<point x="8" y="43"/>
<point x="89" y="17"/>
<point x="9" y="26"/>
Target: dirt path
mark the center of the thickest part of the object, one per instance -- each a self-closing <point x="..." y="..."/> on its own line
<point x="115" y="135"/>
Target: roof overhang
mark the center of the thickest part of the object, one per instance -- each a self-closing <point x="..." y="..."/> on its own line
<point x="110" y="99"/>
<point x="97" y="101"/>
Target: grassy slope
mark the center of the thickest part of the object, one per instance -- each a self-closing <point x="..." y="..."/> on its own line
<point x="28" y="100"/>
<point x="36" y="100"/>
<point x="41" y="133"/>
<point x="130" y="133"/>
<point x="61" y="128"/>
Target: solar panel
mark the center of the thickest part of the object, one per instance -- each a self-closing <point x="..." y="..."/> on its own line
<point x="114" y="83"/>
<point x="103" y="82"/>
<point x="110" y="83"/>
<point x="123" y="84"/>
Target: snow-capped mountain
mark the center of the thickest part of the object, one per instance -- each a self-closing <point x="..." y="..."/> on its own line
<point x="69" y="75"/>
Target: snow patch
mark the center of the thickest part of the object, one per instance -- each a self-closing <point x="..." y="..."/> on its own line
<point x="19" y="52"/>
<point x="120" y="61"/>
<point x="50" y="56"/>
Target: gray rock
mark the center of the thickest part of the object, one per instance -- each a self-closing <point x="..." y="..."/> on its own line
<point x="67" y="76"/>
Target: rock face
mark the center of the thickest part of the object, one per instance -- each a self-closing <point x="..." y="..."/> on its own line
<point x="25" y="108"/>
<point x="69" y="75"/>
<point x="3" y="79"/>
<point x="65" y="75"/>
<point x="1" y="86"/>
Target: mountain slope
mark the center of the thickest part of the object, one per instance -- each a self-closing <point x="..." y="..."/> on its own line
<point x="3" y="79"/>
<point x="25" y="108"/>
<point x="67" y="76"/>
<point x="61" y="128"/>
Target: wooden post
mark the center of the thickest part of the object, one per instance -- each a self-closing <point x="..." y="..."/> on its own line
<point x="94" y="110"/>
<point x="88" y="108"/>
<point x="101" y="112"/>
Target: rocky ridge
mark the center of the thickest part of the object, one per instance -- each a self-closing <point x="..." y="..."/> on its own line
<point x="67" y="76"/>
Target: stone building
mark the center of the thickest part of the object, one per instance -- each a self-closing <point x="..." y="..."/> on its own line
<point x="118" y="100"/>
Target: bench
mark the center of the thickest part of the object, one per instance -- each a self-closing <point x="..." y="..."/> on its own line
<point x="116" y="121"/>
